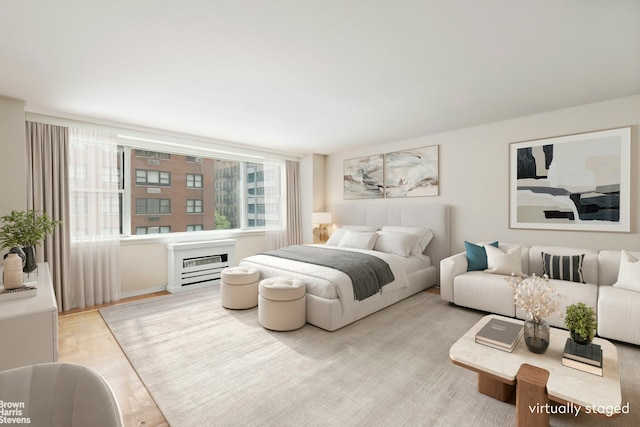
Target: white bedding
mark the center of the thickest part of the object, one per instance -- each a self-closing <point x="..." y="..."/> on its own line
<point x="329" y="283"/>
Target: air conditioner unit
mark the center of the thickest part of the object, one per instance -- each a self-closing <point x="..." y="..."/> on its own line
<point x="194" y="265"/>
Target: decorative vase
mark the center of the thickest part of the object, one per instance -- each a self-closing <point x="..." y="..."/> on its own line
<point x="30" y="262"/>
<point x="536" y="336"/>
<point x="579" y="339"/>
<point x="18" y="250"/>
<point x="13" y="272"/>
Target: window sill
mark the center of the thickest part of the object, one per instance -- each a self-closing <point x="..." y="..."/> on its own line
<point x="192" y="236"/>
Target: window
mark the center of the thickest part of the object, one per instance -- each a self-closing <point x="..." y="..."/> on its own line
<point x="263" y="195"/>
<point x="194" y="180"/>
<point x="194" y="206"/>
<point x="153" y="155"/>
<point x="78" y="172"/>
<point x="152" y="177"/>
<point x="153" y="230"/>
<point x="153" y="206"/>
<point x="178" y="192"/>
<point x="110" y="176"/>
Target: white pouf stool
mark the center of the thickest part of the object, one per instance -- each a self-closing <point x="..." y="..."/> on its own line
<point x="239" y="287"/>
<point x="282" y="304"/>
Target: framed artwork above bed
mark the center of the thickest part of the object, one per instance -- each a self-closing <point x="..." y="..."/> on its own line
<point x="574" y="182"/>
<point x="364" y="177"/>
<point x="411" y="173"/>
<point x="407" y="173"/>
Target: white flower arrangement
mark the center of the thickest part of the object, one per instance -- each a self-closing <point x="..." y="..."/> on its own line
<point x="535" y="296"/>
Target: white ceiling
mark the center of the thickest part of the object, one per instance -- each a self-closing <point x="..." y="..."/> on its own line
<point x="300" y="76"/>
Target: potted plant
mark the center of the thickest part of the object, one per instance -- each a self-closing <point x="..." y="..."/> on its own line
<point x="26" y="229"/>
<point x="580" y="320"/>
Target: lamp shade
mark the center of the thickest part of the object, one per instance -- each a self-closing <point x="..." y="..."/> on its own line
<point x="321" y="218"/>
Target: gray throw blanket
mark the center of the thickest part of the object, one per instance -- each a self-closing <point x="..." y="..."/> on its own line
<point x="368" y="274"/>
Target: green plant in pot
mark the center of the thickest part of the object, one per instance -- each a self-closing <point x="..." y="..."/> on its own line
<point x="26" y="229"/>
<point x="580" y="320"/>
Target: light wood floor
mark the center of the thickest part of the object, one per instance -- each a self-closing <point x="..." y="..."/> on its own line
<point x="84" y="338"/>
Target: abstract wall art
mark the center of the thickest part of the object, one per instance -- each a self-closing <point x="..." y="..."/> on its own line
<point x="364" y="177"/>
<point x="574" y="182"/>
<point x="412" y="173"/>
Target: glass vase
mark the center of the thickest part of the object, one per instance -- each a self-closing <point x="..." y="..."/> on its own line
<point x="536" y="336"/>
<point x="30" y="262"/>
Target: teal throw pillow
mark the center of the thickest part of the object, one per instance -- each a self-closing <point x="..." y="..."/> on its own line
<point x="477" y="256"/>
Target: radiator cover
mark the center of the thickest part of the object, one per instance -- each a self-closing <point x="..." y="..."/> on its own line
<point x="198" y="264"/>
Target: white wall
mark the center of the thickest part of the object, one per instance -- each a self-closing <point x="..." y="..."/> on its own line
<point x="13" y="155"/>
<point x="474" y="174"/>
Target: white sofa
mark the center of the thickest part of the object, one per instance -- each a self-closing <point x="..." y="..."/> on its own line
<point x="617" y="308"/>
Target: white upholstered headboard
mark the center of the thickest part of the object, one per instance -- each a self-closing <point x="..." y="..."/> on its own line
<point x="435" y="217"/>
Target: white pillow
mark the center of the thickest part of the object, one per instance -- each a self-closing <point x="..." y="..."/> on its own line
<point x="395" y="243"/>
<point x="337" y="235"/>
<point x="358" y="240"/>
<point x="423" y="236"/>
<point x="629" y="274"/>
<point x="500" y="262"/>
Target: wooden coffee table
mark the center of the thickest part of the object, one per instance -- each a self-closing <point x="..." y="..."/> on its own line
<point x="498" y="374"/>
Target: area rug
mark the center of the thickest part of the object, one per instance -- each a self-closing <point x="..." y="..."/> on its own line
<point x="206" y="366"/>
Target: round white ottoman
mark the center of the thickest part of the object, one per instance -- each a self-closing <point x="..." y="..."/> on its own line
<point x="239" y="287"/>
<point x="282" y="304"/>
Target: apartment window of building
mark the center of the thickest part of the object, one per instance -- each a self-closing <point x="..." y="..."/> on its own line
<point x="78" y="173"/>
<point x="194" y="206"/>
<point x="110" y="204"/>
<point x="153" y="177"/>
<point x="195" y="227"/>
<point x="153" y="206"/>
<point x="153" y="154"/>
<point x="194" y="180"/>
<point x="153" y="230"/>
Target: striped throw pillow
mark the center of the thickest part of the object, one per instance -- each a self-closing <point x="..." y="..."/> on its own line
<point x="563" y="267"/>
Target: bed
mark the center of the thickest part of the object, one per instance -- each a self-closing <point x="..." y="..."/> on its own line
<point x="332" y="299"/>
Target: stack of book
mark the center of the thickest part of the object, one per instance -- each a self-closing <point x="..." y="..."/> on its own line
<point x="500" y="334"/>
<point x="585" y="357"/>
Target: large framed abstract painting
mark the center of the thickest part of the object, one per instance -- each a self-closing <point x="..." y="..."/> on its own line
<point x="412" y="173"/>
<point x="364" y="177"/>
<point x="574" y="182"/>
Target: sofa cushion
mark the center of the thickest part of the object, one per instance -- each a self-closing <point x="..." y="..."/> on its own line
<point x="589" y="263"/>
<point x="486" y="292"/>
<point x="504" y="262"/>
<point x="477" y="256"/>
<point x="563" y="267"/>
<point x="629" y="272"/>
<point x="618" y="314"/>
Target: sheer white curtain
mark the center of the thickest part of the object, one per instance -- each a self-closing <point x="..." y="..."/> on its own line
<point x="94" y="217"/>
<point x="286" y="228"/>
